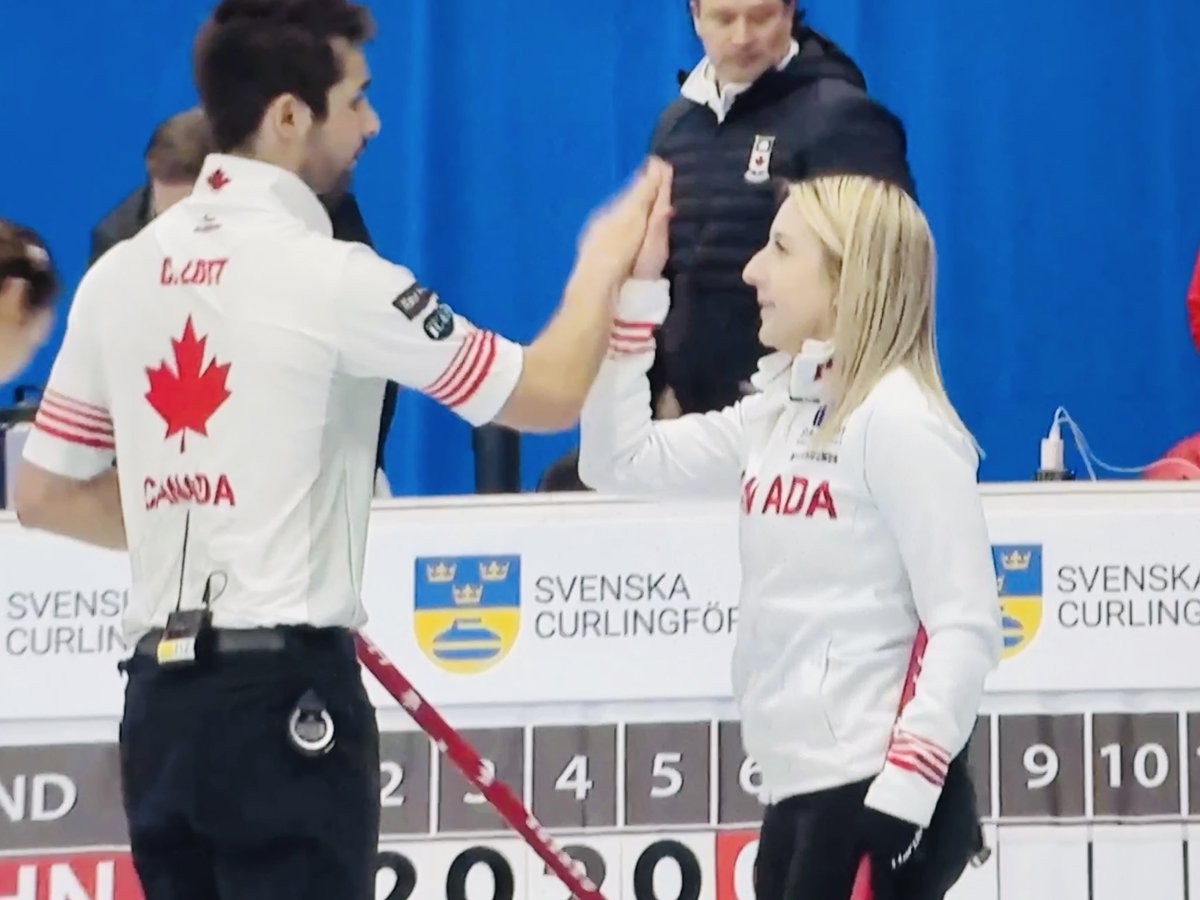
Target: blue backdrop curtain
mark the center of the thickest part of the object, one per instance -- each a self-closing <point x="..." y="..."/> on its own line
<point x="1057" y="146"/>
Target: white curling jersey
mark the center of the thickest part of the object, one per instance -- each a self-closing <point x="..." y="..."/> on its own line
<point x="845" y="550"/>
<point x="232" y="359"/>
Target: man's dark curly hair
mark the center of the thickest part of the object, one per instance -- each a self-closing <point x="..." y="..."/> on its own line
<point x="252" y="51"/>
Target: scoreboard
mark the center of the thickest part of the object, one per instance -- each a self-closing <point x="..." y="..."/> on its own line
<point x="654" y="810"/>
<point x="659" y="811"/>
<point x="1095" y="767"/>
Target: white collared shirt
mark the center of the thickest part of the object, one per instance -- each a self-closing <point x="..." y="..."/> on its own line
<point x="703" y="87"/>
<point x="845" y="550"/>
<point x="232" y="356"/>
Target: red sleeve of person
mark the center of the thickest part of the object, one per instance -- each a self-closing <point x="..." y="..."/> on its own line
<point x="1193" y="303"/>
<point x="1182" y="462"/>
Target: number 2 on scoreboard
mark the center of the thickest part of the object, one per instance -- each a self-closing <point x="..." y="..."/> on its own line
<point x="389" y="793"/>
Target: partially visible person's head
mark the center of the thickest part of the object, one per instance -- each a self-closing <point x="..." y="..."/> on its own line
<point x="743" y="38"/>
<point x="851" y="260"/>
<point x="285" y="81"/>
<point x="175" y="157"/>
<point x="562" y="475"/>
<point x="29" y="286"/>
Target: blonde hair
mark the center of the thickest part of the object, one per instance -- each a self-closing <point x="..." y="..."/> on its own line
<point x="883" y="263"/>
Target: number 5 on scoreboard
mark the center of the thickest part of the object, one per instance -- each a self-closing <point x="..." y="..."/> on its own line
<point x="665" y="769"/>
<point x="667" y="786"/>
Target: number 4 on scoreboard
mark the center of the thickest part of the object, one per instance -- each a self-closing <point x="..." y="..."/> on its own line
<point x="574" y="778"/>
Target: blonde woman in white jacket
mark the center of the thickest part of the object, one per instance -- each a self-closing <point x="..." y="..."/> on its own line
<point x="861" y="521"/>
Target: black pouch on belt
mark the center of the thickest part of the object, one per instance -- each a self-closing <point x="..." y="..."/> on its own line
<point x="187" y="639"/>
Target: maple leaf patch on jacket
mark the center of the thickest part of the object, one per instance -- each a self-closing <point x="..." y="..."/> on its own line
<point x="188" y="397"/>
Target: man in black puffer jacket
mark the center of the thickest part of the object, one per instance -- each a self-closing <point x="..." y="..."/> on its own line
<point x="771" y="98"/>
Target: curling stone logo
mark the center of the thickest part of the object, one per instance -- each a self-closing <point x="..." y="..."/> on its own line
<point x="467" y="610"/>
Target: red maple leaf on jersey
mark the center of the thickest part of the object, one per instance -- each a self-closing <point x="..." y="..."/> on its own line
<point x="187" y="397"/>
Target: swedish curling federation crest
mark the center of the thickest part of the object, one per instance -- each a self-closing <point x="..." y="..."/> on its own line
<point x="1019" y="580"/>
<point x="467" y="610"/>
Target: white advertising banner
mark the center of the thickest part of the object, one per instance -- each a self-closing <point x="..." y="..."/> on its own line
<point x="570" y="603"/>
<point x="580" y="600"/>
<point x="1099" y="587"/>
<point x="1098" y="600"/>
<point x="61" y="604"/>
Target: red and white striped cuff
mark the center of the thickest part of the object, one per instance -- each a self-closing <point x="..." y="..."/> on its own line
<point x="920" y="756"/>
<point x="631" y="338"/>
<point x="467" y="372"/>
<point x="911" y="781"/>
<point x="75" y="421"/>
<point x="642" y="307"/>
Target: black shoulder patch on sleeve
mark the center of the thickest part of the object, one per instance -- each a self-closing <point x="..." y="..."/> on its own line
<point x="414" y="301"/>
<point x="439" y="324"/>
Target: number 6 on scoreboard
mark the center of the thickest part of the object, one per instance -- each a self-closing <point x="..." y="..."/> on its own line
<point x="664" y="767"/>
<point x="750" y="778"/>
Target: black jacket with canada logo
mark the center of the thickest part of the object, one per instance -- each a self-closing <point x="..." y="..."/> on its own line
<point x="810" y="117"/>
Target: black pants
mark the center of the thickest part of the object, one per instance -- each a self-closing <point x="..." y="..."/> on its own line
<point x="808" y="850"/>
<point x="220" y="804"/>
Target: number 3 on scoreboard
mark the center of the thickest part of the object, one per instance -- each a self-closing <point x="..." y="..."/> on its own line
<point x="664" y="769"/>
<point x="574" y="778"/>
<point x="474" y="798"/>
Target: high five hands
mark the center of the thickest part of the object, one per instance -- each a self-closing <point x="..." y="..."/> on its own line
<point x="628" y="238"/>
